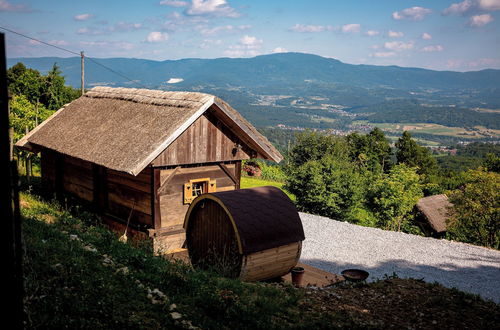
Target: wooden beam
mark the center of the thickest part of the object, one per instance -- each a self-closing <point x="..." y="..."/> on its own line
<point x="228" y="172"/>
<point x="155" y="197"/>
<point x="164" y="184"/>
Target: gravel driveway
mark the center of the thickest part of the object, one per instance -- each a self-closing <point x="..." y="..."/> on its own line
<point x="334" y="246"/>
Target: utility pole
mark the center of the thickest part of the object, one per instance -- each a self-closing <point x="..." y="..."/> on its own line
<point x="83" y="71"/>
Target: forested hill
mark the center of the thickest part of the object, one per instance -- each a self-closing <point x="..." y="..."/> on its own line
<point x="276" y="70"/>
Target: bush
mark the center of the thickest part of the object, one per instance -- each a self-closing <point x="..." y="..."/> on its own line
<point x="476" y="212"/>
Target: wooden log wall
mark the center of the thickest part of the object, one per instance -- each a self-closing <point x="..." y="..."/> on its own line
<point x="169" y="232"/>
<point x="111" y="193"/>
<point x="127" y="192"/>
<point x="207" y="140"/>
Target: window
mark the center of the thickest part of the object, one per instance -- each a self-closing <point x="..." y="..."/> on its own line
<point x="197" y="187"/>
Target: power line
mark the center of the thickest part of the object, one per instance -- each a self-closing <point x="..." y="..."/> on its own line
<point x="42" y="42"/>
<point x="75" y="53"/>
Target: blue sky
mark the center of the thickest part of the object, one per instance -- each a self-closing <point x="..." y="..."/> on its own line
<point x="442" y="35"/>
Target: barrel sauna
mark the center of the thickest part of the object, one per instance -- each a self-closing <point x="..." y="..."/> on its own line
<point x="253" y="234"/>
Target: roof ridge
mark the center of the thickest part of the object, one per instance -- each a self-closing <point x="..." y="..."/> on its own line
<point x="149" y="96"/>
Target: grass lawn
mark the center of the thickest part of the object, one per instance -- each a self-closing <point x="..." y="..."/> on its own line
<point x="247" y="182"/>
<point x="78" y="275"/>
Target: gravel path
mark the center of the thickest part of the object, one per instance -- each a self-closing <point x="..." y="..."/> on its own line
<point x="334" y="246"/>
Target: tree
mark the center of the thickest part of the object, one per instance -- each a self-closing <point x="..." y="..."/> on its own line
<point x="312" y="145"/>
<point x="25" y="115"/>
<point x="410" y="153"/>
<point x="393" y="197"/>
<point x="24" y="81"/>
<point x="322" y="177"/>
<point x="476" y="213"/>
<point x="371" y="150"/>
<point x="492" y="163"/>
<point x="48" y="90"/>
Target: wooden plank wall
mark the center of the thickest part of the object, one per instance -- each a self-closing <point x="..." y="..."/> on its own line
<point x="111" y="192"/>
<point x="126" y="191"/>
<point x="207" y="140"/>
<point x="172" y="210"/>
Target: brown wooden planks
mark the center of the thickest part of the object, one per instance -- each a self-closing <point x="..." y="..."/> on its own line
<point x="206" y="140"/>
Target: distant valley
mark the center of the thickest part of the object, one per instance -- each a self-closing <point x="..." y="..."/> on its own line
<point x="297" y="91"/>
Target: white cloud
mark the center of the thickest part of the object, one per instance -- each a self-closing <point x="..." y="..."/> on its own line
<point x="308" y="28"/>
<point x="351" y="28"/>
<point x="207" y="43"/>
<point x="8" y="7"/>
<point x="484" y="63"/>
<point x="174" y="80"/>
<point x="469" y="6"/>
<point x="225" y="28"/>
<point x="279" y="50"/>
<point x="383" y="54"/>
<point x="395" y="34"/>
<point x="173" y="3"/>
<point x="90" y="32"/>
<point x="110" y="45"/>
<point x="399" y="45"/>
<point x="426" y="36"/>
<point x="212" y="7"/>
<point x="413" y="13"/>
<point x="489" y="4"/>
<point x="433" y="48"/>
<point x="251" y="42"/>
<point x="83" y="17"/>
<point x="372" y="33"/>
<point x="156" y="36"/>
<point x="247" y="46"/>
<point x="480" y="20"/>
<point x="58" y="42"/>
<point x="459" y="8"/>
<point x="126" y="27"/>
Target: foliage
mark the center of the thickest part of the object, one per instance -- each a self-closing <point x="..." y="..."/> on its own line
<point x="476" y="213"/>
<point x="330" y="187"/>
<point x="48" y="90"/>
<point x="492" y="163"/>
<point x="370" y="150"/>
<point x="393" y="197"/>
<point x="410" y="153"/>
<point x="24" y="116"/>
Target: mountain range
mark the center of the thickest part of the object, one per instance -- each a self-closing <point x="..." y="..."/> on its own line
<point x="305" y="90"/>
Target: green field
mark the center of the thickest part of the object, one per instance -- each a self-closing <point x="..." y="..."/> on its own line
<point x="247" y="182"/>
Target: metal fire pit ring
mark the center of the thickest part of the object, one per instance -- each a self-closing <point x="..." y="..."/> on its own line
<point x="355" y="275"/>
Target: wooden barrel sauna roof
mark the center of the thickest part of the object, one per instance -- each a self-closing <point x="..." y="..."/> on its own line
<point x="263" y="217"/>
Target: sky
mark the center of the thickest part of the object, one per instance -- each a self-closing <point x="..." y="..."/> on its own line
<point x="434" y="34"/>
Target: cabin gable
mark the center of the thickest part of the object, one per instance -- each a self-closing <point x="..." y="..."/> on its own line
<point x="207" y="140"/>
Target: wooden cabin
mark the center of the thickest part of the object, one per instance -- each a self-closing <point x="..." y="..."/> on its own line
<point x="433" y="212"/>
<point x="253" y="234"/>
<point x="140" y="157"/>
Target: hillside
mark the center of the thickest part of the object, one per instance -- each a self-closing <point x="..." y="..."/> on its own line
<point x="78" y="275"/>
<point x="265" y="70"/>
<point x="299" y="91"/>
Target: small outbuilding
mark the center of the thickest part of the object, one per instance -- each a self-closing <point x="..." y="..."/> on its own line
<point x="434" y="212"/>
<point x="144" y="155"/>
<point x="253" y="234"/>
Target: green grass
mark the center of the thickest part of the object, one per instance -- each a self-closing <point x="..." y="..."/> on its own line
<point x="248" y="182"/>
<point x="79" y="275"/>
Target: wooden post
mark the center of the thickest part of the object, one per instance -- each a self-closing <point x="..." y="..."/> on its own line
<point x="12" y="295"/>
<point x="83" y="71"/>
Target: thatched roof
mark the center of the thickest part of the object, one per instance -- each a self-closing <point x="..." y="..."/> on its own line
<point x="124" y="129"/>
<point x="435" y="209"/>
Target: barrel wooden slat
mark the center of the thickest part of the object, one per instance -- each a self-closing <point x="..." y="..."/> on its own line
<point x="226" y="231"/>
